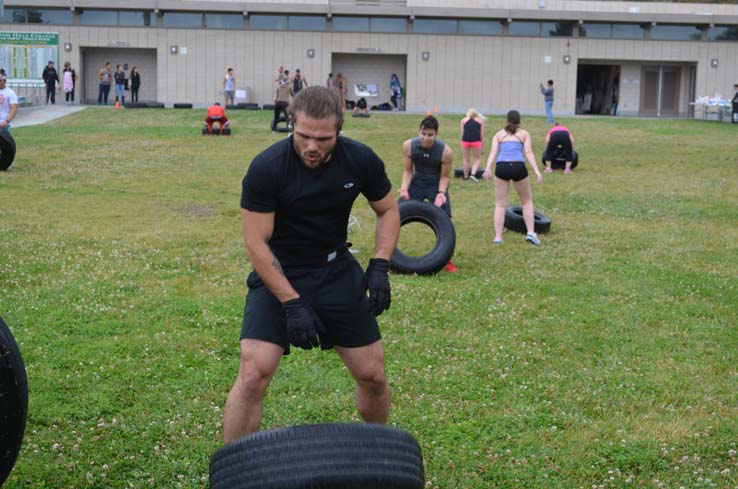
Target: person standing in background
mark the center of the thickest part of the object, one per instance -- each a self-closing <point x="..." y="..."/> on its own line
<point x="120" y="84"/>
<point x="735" y="104"/>
<point x="396" y="89"/>
<point x="330" y="83"/>
<point x="229" y="86"/>
<point x="548" y="100"/>
<point x="69" y="80"/>
<point x="472" y="140"/>
<point x="106" y="78"/>
<point x="51" y="78"/>
<point x="135" y="84"/>
<point x="341" y="85"/>
<point x="298" y="82"/>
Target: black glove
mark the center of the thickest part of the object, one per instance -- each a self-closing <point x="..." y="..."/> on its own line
<point x="301" y="330"/>
<point x="376" y="280"/>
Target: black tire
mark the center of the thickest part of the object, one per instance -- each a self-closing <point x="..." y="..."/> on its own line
<point x="360" y="114"/>
<point x="437" y="258"/>
<point x="135" y="105"/>
<point x="558" y="163"/>
<point x="326" y="456"/>
<point x="182" y="106"/>
<point x="268" y="106"/>
<point x="216" y="131"/>
<point x="13" y="401"/>
<point x="154" y="105"/>
<point x="252" y="107"/>
<point x="248" y="105"/>
<point x="7" y="150"/>
<point x="514" y="221"/>
<point x="459" y="173"/>
<point x="277" y="128"/>
<point x="233" y="107"/>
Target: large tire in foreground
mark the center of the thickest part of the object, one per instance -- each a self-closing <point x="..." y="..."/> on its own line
<point x="514" y="220"/>
<point x="325" y="456"/>
<point x="437" y="258"/>
<point x="7" y="150"/>
<point x="13" y="401"/>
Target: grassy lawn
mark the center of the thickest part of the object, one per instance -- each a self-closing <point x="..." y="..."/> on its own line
<point x="608" y="357"/>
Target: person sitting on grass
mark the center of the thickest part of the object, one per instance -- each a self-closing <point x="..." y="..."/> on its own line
<point x="559" y="142"/>
<point x="361" y="106"/>
<point x="216" y="114"/>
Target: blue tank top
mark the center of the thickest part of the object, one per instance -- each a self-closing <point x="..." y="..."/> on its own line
<point x="510" y="151"/>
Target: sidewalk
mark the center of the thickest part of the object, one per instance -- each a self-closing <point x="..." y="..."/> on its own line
<point x="29" y="116"/>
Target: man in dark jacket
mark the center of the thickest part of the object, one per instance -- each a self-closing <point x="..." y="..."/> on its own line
<point x="51" y="78"/>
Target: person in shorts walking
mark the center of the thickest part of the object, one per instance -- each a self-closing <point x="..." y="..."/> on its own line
<point x="306" y="289"/>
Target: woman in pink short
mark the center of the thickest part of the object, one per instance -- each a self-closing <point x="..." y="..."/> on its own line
<point x="472" y="135"/>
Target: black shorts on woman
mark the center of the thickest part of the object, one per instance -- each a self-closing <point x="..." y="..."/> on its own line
<point x="333" y="291"/>
<point x="511" y="170"/>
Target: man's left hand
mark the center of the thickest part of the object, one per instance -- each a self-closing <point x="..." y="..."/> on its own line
<point x="376" y="280"/>
<point x="440" y="199"/>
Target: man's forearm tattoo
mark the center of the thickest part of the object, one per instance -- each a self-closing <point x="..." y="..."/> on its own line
<point x="278" y="267"/>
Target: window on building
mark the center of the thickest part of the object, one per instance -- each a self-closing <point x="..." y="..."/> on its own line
<point x="350" y="24"/>
<point x="593" y="29"/>
<point x="676" y="32"/>
<point x="268" y="22"/>
<point x="50" y="16"/>
<point x="435" y="26"/>
<point x="224" y="21"/>
<point x="557" y="29"/>
<point x="98" y="17"/>
<point x="627" y="31"/>
<point x="189" y="20"/>
<point x="306" y="23"/>
<point x="480" y="27"/>
<point x="388" y="24"/>
<point x="723" y="33"/>
<point x="131" y="18"/>
<point x="523" y="28"/>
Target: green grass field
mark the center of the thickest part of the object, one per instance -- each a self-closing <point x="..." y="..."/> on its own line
<point x="608" y="357"/>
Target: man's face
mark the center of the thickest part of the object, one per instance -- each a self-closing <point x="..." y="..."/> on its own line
<point x="2" y="82"/>
<point x="314" y="139"/>
<point x="427" y="137"/>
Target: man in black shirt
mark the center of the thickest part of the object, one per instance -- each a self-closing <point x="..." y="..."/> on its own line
<point x="306" y="289"/>
<point x="51" y="78"/>
<point x="735" y="104"/>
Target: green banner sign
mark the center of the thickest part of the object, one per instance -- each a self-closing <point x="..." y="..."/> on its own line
<point x="24" y="55"/>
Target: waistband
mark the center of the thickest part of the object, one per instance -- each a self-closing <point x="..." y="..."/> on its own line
<point x="316" y="261"/>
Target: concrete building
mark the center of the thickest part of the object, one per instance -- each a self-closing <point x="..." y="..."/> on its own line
<point x="452" y="54"/>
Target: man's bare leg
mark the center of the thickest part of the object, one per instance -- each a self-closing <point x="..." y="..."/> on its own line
<point x="243" y="409"/>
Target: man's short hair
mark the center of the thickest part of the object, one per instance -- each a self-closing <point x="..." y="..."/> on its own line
<point x="550" y="82"/>
<point x="217" y="103"/>
<point x="317" y="102"/>
<point x="429" y="122"/>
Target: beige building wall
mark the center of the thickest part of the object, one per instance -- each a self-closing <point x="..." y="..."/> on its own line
<point x="492" y="74"/>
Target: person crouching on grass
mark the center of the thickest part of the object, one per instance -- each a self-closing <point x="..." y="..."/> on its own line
<point x="427" y="164"/>
<point x="306" y="289"/>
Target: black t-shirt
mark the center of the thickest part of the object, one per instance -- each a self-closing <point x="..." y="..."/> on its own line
<point x="311" y="206"/>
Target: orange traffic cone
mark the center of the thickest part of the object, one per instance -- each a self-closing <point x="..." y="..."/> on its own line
<point x="117" y="104"/>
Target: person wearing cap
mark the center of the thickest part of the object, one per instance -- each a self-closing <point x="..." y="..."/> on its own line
<point x="51" y="78"/>
<point x="8" y="104"/>
<point x="216" y="114"/>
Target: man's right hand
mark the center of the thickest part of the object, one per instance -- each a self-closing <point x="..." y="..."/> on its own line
<point x="404" y="194"/>
<point x="301" y="330"/>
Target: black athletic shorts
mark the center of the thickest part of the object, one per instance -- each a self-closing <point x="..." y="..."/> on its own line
<point x="511" y="170"/>
<point x="559" y="147"/>
<point x="335" y="292"/>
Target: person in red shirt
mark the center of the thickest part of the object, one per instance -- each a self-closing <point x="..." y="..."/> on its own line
<point x="216" y="114"/>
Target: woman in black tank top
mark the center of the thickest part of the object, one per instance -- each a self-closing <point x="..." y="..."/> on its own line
<point x="472" y="137"/>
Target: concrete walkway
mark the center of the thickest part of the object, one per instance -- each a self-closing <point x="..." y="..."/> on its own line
<point x="29" y="116"/>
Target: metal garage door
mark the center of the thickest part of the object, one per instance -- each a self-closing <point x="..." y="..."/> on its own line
<point x="370" y="69"/>
<point x="94" y="59"/>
